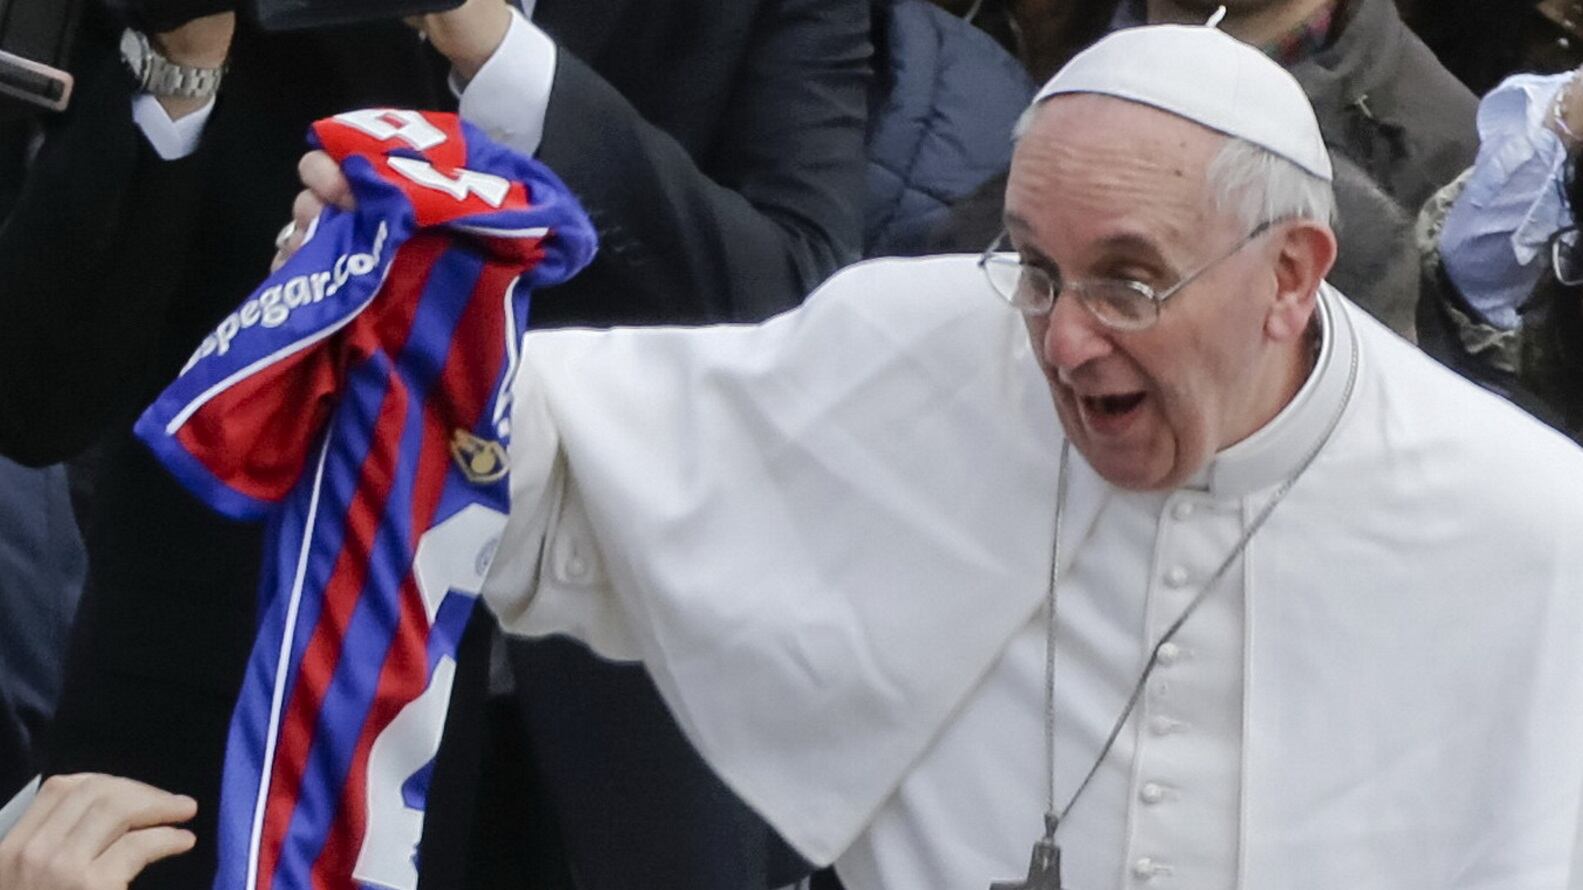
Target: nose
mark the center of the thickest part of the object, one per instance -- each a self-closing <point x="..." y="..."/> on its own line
<point x="1073" y="337"/>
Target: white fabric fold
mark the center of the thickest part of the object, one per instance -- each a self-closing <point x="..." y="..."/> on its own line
<point x="172" y="139"/>
<point x="822" y="529"/>
<point x="11" y="813"/>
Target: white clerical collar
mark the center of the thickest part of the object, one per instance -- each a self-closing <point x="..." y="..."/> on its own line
<point x="1274" y="452"/>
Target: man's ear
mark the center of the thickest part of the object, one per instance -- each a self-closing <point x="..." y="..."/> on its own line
<point x="1304" y="252"/>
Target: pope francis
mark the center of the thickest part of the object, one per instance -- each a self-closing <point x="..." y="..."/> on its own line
<point x="1130" y="543"/>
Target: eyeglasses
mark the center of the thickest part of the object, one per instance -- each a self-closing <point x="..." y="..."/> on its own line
<point x="1117" y="303"/>
<point x="1564" y="257"/>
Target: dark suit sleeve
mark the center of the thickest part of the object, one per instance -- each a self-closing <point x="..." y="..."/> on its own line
<point x="88" y="258"/>
<point x="16" y="765"/>
<point x="760" y="218"/>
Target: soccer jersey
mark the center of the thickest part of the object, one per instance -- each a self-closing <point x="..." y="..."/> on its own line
<point x="359" y="402"/>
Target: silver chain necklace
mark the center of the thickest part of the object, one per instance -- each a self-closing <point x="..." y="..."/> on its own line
<point x="1044" y="868"/>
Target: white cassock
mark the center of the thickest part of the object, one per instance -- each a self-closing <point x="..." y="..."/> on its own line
<point x="828" y="539"/>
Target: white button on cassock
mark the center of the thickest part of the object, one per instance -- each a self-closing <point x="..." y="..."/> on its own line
<point x="1176" y="577"/>
<point x="577" y="568"/>
<point x="1151" y="793"/>
<point x="1162" y="726"/>
<point x="1170" y="654"/>
<point x="1183" y="510"/>
<point x="1145" y="868"/>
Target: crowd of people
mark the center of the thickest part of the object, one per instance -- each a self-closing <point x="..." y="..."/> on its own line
<point x="982" y="428"/>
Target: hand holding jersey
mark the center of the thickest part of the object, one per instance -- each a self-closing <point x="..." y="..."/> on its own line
<point x="359" y="400"/>
<point x="468" y="36"/>
<point x="325" y="186"/>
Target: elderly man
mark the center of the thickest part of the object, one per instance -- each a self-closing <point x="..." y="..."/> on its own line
<point x="1268" y="600"/>
<point x="1187" y="574"/>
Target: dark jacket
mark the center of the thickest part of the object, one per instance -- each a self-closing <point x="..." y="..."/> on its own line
<point x="16" y="765"/>
<point x="41" y="573"/>
<point x="1377" y="259"/>
<point x="717" y="144"/>
<point x="946" y="99"/>
<point x="1386" y="103"/>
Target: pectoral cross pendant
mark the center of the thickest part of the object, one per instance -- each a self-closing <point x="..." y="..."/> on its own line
<point x="1044" y="870"/>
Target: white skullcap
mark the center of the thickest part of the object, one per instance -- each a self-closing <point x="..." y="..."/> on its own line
<point x="1206" y="76"/>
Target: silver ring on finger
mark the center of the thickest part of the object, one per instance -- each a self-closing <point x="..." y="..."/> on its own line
<point x="285" y="235"/>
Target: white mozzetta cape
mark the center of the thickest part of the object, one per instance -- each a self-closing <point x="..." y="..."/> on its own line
<point x="819" y="533"/>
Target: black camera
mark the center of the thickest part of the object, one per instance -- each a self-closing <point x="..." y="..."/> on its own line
<point x="288" y="15"/>
<point x="36" y="35"/>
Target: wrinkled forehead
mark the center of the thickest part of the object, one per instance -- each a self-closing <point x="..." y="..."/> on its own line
<point x="1103" y="166"/>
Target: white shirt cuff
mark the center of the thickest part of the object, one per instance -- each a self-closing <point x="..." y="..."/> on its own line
<point x="1495" y="235"/>
<point x="11" y="813"/>
<point x="172" y="140"/>
<point x="510" y="95"/>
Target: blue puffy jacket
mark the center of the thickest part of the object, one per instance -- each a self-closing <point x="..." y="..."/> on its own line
<point x="946" y="97"/>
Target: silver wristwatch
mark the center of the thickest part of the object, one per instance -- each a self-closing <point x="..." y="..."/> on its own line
<point x="159" y="76"/>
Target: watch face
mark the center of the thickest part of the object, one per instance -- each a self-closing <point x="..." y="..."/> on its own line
<point x="160" y="77"/>
<point x="134" y="49"/>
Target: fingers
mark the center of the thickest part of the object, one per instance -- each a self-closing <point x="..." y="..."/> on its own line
<point x="137" y="850"/>
<point x="325" y="185"/>
<point x="305" y="209"/>
<point x="305" y="212"/>
<point x="323" y="177"/>
<point x="111" y="808"/>
<point x="93" y="832"/>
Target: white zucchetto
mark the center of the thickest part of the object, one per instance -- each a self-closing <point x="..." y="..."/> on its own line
<point x="1205" y="76"/>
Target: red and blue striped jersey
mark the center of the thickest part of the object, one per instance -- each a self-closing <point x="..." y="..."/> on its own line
<point x="359" y="400"/>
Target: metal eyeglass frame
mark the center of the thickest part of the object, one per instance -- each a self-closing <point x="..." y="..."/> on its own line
<point x="1114" y="313"/>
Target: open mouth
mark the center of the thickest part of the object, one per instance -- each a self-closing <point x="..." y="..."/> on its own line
<point x="1114" y="405"/>
<point x="1111" y="414"/>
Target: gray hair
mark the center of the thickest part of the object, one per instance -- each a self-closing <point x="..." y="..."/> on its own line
<point x="1252" y="182"/>
<point x="1259" y="186"/>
